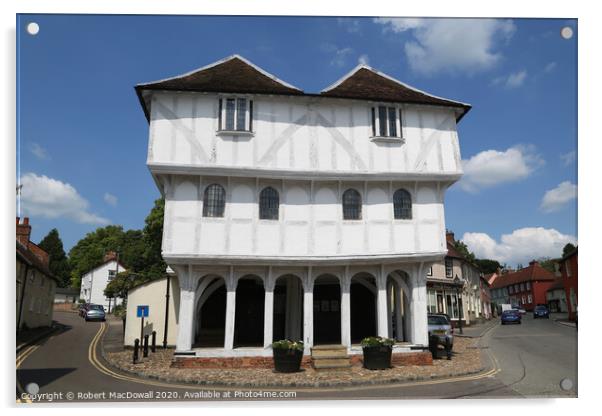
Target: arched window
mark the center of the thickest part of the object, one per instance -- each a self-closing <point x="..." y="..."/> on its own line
<point x="402" y="205"/>
<point x="269" y="202"/>
<point x="352" y="205"/>
<point x="214" y="201"/>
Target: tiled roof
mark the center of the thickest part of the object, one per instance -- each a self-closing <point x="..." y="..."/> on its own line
<point x="236" y="74"/>
<point x="452" y="252"/>
<point x="531" y="273"/>
<point x="366" y="83"/>
<point x="34" y="261"/>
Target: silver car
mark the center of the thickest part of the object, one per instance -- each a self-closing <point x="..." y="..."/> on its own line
<point x="95" y="313"/>
<point x="440" y="333"/>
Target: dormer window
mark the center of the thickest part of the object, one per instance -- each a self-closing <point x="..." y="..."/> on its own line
<point x="235" y="115"/>
<point x="386" y="123"/>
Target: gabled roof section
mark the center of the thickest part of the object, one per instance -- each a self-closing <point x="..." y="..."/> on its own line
<point x="528" y="274"/>
<point x="366" y="83"/>
<point x="233" y="74"/>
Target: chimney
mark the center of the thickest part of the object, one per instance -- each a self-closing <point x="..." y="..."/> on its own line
<point x="532" y="263"/>
<point x="23" y="231"/>
<point x="449" y="236"/>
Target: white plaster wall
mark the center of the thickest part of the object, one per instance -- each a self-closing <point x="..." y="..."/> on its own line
<point x="310" y="219"/>
<point x="301" y="133"/>
<point x="95" y="281"/>
<point x="153" y="295"/>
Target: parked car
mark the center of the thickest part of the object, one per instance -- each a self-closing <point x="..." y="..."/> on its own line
<point x="95" y="313"/>
<point x="440" y="333"/>
<point x="511" y="316"/>
<point x="541" y="311"/>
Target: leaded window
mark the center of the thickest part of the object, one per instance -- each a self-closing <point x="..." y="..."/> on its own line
<point x="449" y="270"/>
<point x="214" y="201"/>
<point x="269" y="202"/>
<point x="352" y="205"/>
<point x="402" y="205"/>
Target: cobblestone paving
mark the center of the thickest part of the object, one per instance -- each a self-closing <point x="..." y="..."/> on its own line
<point x="466" y="360"/>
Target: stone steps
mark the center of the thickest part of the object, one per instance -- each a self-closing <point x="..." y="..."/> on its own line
<point x="330" y="357"/>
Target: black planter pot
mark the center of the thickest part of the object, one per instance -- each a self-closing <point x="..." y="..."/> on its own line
<point x="377" y="358"/>
<point x="287" y="361"/>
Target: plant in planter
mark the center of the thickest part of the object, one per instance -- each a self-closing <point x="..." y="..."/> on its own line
<point x="287" y="355"/>
<point x="377" y="352"/>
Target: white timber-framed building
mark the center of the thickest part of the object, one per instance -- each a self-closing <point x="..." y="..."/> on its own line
<point x="296" y="215"/>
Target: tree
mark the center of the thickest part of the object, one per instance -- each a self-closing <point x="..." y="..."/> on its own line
<point x="568" y="249"/>
<point x="547" y="263"/>
<point x="488" y="266"/>
<point x="58" y="262"/>
<point x="152" y="236"/>
<point x="139" y="250"/>
<point x="463" y="249"/>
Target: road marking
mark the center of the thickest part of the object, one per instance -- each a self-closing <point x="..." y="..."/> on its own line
<point x="92" y="357"/>
<point x="21" y="357"/>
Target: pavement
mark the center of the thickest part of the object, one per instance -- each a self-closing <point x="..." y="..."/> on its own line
<point x="528" y="360"/>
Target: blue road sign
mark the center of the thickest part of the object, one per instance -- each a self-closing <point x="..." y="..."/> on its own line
<point x="142" y="311"/>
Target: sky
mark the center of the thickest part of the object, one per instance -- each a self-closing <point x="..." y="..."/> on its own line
<point x="82" y="135"/>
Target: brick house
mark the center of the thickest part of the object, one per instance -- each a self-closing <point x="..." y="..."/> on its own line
<point x="569" y="272"/>
<point x="35" y="283"/>
<point x="526" y="287"/>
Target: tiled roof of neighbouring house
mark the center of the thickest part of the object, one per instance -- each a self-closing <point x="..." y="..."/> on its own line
<point x="366" y="83"/>
<point x="452" y="252"/>
<point x="531" y="273"/>
<point x="27" y="256"/>
<point x="236" y="74"/>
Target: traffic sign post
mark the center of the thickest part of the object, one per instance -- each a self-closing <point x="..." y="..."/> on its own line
<point x="142" y="312"/>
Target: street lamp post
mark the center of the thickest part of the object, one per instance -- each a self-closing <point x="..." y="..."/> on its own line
<point x="459" y="284"/>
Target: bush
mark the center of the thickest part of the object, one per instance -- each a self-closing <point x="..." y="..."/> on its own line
<point x="119" y="311"/>
<point x="377" y="342"/>
<point x="285" y="344"/>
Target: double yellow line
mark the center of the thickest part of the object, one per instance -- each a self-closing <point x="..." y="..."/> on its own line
<point x="21" y="357"/>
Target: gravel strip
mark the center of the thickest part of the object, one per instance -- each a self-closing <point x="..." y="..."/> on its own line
<point x="466" y="360"/>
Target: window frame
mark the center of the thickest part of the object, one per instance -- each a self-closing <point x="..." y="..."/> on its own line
<point x="207" y="207"/>
<point x="451" y="268"/>
<point x="276" y="209"/>
<point x="359" y="207"/>
<point x="223" y="115"/>
<point x="377" y="129"/>
<point x="401" y="207"/>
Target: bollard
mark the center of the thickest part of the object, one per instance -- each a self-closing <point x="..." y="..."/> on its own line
<point x="145" y="349"/>
<point x="136" y="344"/>
<point x="154" y="341"/>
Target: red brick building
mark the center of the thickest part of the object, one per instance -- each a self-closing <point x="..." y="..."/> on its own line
<point x="569" y="271"/>
<point x="526" y="287"/>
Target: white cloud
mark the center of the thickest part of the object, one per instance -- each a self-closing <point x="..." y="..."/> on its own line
<point x="521" y="246"/>
<point x="38" y="151"/>
<point x="550" y="67"/>
<point x="110" y="199"/>
<point x="493" y="167"/>
<point x="51" y="198"/>
<point x="363" y="59"/>
<point x="351" y="25"/>
<point x="569" y="158"/>
<point x="452" y="45"/>
<point x="515" y="79"/>
<point x="555" y="199"/>
<point x="339" y="55"/>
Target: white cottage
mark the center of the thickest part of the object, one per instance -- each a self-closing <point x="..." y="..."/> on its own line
<point x="297" y="215"/>
<point x="94" y="282"/>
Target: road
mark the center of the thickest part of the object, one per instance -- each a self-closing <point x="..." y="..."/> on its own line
<point x="528" y="360"/>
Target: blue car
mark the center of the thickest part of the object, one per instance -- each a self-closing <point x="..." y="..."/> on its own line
<point x="511" y="316"/>
<point x="541" y="311"/>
